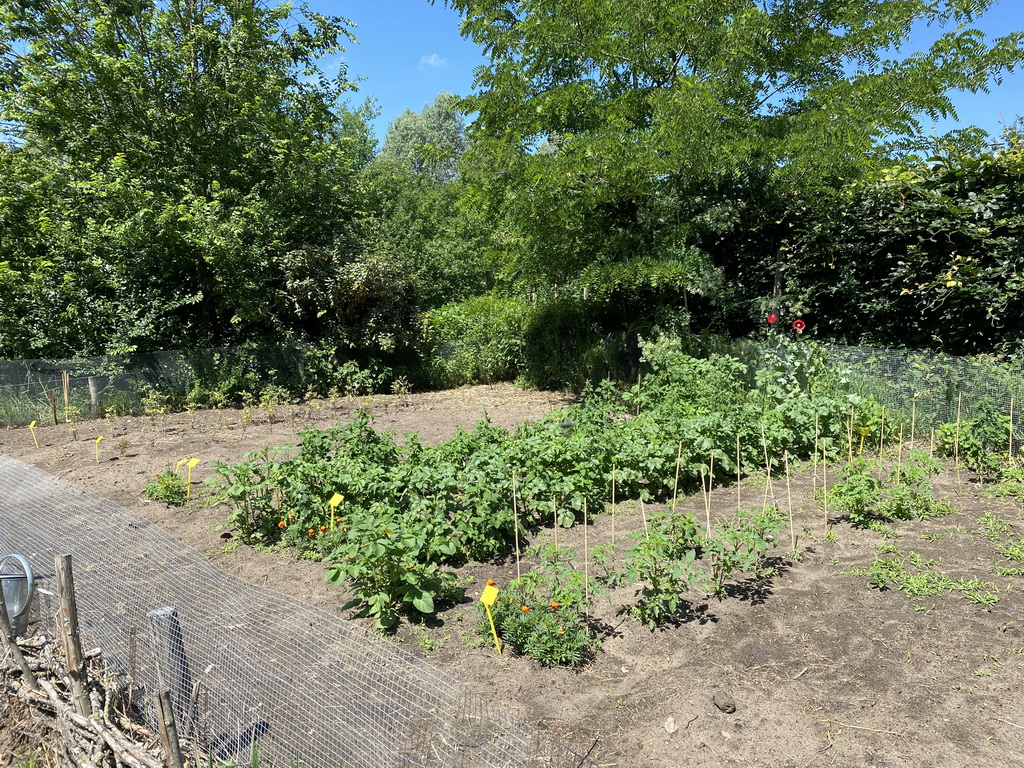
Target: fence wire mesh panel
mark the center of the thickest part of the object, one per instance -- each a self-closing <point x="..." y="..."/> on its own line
<point x="247" y="665"/>
<point x="935" y="388"/>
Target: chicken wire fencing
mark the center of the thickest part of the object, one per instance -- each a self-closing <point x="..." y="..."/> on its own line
<point x="246" y="665"/>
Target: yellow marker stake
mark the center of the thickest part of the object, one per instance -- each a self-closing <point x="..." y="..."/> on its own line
<point x="188" y="484"/>
<point x="333" y="503"/>
<point x="32" y="429"/>
<point x="488" y="597"/>
<point x="178" y="465"/>
<point x="98" y="448"/>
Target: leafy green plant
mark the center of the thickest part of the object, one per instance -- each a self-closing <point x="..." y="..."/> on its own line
<point x="662" y="564"/>
<point x="168" y="488"/>
<point x="739" y="545"/>
<point x="542" y="614"/>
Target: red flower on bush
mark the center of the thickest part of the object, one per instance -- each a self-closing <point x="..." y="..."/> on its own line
<point x="772" y="319"/>
<point x="799" y="325"/>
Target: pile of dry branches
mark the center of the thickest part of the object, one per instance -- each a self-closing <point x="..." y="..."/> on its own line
<point x="40" y="713"/>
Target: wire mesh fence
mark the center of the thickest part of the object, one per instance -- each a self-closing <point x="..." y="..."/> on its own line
<point x="248" y="666"/>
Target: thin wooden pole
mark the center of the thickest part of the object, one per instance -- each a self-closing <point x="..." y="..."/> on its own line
<point x="70" y="634"/>
<point x="739" y="459"/>
<point x="10" y="642"/>
<point x="515" y="522"/>
<point x="824" y="478"/>
<point x="956" y="442"/>
<point x="789" y="503"/>
<point x="168" y="730"/>
<point x="849" y="433"/>
<point x="814" y="458"/>
<point x="881" y="435"/>
<point x="675" y="489"/>
<point x="643" y="511"/>
<point x="613" y="506"/>
<point x="1009" y="452"/>
<point x="899" y="458"/>
<point x="768" y="469"/>
<point x="586" y="560"/>
<point x="554" y="519"/>
<point x="913" y="421"/>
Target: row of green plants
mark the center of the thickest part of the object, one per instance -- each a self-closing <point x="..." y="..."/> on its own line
<point x="406" y="512"/>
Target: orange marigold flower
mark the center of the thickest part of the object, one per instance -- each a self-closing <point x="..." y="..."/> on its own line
<point x="490" y="583"/>
<point x="282" y="524"/>
<point x="554" y="606"/>
<point x="525" y="609"/>
<point x="292" y="515"/>
<point x="323" y="528"/>
<point x="310" y="531"/>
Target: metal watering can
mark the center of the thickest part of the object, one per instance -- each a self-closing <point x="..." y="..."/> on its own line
<point x="17" y="590"/>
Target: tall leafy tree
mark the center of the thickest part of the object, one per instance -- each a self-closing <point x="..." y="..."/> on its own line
<point x="665" y="124"/>
<point x="177" y="172"/>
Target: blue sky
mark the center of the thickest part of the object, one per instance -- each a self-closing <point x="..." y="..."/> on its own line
<point x="410" y="50"/>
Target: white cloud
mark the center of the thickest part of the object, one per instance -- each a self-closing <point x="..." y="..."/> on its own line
<point x="433" y="60"/>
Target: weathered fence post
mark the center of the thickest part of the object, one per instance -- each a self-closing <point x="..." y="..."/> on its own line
<point x="172" y="671"/>
<point x="168" y="730"/>
<point x="70" y="635"/>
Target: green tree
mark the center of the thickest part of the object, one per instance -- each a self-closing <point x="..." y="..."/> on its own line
<point x="667" y="124"/>
<point x="179" y="173"/>
<point x="428" y="142"/>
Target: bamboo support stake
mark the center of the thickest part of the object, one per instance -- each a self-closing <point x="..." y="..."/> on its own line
<point x="586" y="561"/>
<point x="675" y="489"/>
<point x="515" y="523"/>
<point x="849" y="433"/>
<point x="956" y="442"/>
<point x="11" y="643"/>
<point x="768" y="469"/>
<point x="931" y="445"/>
<point x="643" y="511"/>
<point x="554" y="520"/>
<point x="70" y="634"/>
<point x="65" y="380"/>
<point x="739" y="459"/>
<point x="814" y="458"/>
<point x="913" y="421"/>
<point x="824" y="479"/>
<point x="613" y="506"/>
<point x="789" y="503"/>
<point x="881" y="436"/>
<point x="899" y="458"/>
<point x="1009" y="451"/>
<point x="168" y="730"/>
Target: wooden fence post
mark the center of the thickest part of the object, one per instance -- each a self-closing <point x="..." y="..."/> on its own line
<point x="169" y="654"/>
<point x="70" y="635"/>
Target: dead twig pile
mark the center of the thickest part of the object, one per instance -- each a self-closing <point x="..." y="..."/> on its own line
<point x="41" y="715"/>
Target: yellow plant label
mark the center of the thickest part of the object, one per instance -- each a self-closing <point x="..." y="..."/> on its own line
<point x="335" y="500"/>
<point x="178" y="465"/>
<point x="32" y="425"/>
<point x="98" y="439"/>
<point x="192" y="463"/>
<point x="490" y="594"/>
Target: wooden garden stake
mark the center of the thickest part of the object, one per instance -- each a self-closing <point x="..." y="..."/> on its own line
<point x="739" y="505"/>
<point x="824" y="478"/>
<point x="643" y="511"/>
<point x="956" y="442"/>
<point x="675" y="489"/>
<point x="70" y="635"/>
<point x="332" y="507"/>
<point x="32" y="429"/>
<point x="931" y="445"/>
<point x="814" y="467"/>
<point x="515" y="522"/>
<point x="881" y="435"/>
<point x="65" y="380"/>
<point x="913" y="419"/>
<point x="638" y="377"/>
<point x="586" y="560"/>
<point x="899" y="458"/>
<point x="98" y="439"/>
<point x="554" y="520"/>
<point x="169" y="742"/>
<point x="188" y="483"/>
<point x="1009" y="450"/>
<point x="490" y="594"/>
<point x="613" y="506"/>
<point x="768" y="476"/>
<point x="849" y="433"/>
<point x="789" y="503"/>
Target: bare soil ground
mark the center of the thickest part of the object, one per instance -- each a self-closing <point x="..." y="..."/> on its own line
<point x="810" y="668"/>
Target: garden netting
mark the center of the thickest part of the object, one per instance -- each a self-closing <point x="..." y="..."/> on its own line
<point x="247" y="665"/>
